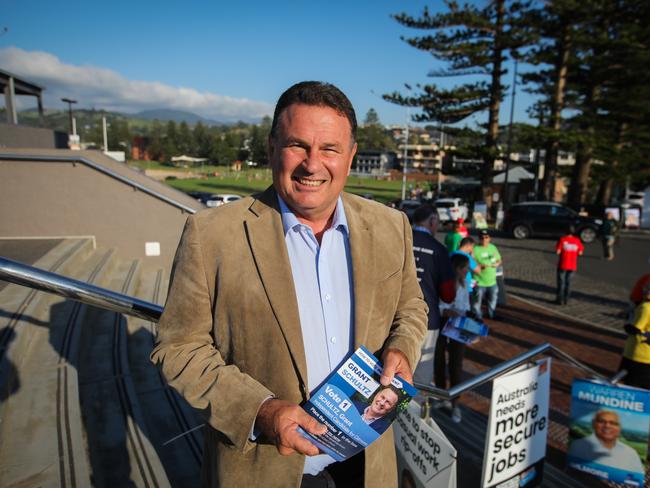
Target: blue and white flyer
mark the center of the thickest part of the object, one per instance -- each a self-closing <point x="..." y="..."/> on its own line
<point x="355" y="407"/>
<point x="608" y="433"/>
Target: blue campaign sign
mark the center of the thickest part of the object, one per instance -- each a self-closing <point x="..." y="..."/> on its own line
<point x="355" y="407"/>
<point x="608" y="435"/>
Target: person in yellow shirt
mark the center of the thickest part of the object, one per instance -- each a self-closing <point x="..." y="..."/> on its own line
<point x="636" y="353"/>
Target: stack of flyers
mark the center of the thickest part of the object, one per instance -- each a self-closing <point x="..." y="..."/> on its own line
<point x="464" y="329"/>
<point x="354" y="406"/>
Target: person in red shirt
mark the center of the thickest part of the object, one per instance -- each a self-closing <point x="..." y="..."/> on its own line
<point x="462" y="230"/>
<point x="636" y="296"/>
<point x="569" y="247"/>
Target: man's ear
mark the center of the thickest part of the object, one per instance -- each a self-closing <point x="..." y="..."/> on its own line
<point x="352" y="153"/>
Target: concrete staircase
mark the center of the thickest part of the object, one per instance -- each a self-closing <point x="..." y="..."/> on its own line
<point x="80" y="403"/>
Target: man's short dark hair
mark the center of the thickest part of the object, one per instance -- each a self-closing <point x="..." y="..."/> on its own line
<point x="315" y="93"/>
<point x="458" y="261"/>
<point x="423" y="213"/>
<point x="466" y="240"/>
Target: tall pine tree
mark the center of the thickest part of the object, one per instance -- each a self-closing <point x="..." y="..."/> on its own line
<point x="472" y="41"/>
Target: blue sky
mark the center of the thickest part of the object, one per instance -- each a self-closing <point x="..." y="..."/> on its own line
<point x="223" y="60"/>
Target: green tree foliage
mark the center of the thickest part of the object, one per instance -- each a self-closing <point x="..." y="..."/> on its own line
<point x="156" y="141"/>
<point x="185" y="140"/>
<point x="594" y="61"/>
<point x="372" y="136"/>
<point x="259" y="135"/>
<point x="119" y="136"/>
<point x="372" y="118"/>
<point x="170" y="142"/>
<point x="472" y="40"/>
<point x="203" y="141"/>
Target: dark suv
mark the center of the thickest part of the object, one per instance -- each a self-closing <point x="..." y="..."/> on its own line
<point x="529" y="219"/>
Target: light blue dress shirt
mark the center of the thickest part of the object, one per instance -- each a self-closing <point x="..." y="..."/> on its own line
<point x="322" y="276"/>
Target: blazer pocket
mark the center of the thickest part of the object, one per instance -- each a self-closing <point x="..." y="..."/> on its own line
<point x="389" y="276"/>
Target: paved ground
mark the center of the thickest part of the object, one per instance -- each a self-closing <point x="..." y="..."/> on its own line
<point x="600" y="288"/>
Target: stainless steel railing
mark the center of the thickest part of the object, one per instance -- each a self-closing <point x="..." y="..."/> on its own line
<point x="101" y="169"/>
<point x="29" y="276"/>
<point x="22" y="274"/>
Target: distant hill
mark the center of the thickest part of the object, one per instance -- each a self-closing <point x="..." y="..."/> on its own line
<point x="89" y="118"/>
<point x="175" y="115"/>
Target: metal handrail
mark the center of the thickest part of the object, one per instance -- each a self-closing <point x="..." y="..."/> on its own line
<point x="29" y="276"/>
<point x="101" y="169"/>
<point x="506" y="367"/>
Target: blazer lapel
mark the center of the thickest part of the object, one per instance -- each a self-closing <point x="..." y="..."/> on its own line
<point x="363" y="254"/>
<point x="266" y="239"/>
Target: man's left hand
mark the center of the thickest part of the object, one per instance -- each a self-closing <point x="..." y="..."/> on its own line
<point x="395" y="363"/>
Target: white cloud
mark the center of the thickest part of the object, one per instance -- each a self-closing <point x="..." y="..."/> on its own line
<point x="105" y="89"/>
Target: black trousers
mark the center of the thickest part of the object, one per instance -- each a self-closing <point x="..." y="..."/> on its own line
<point x="448" y="362"/>
<point x="563" y="285"/>
<point x="638" y="374"/>
<point x="346" y="474"/>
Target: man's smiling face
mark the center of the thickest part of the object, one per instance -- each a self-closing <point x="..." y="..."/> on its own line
<point x="311" y="156"/>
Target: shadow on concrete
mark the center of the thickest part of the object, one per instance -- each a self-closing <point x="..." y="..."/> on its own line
<point x="9" y="378"/>
<point x="575" y="294"/>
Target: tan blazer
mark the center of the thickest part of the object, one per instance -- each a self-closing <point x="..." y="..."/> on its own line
<point x="230" y="334"/>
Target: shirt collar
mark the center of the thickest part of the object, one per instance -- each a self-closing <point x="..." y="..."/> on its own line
<point x="289" y="219"/>
<point x="422" y="229"/>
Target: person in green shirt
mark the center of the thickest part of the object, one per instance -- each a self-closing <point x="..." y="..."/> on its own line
<point x="488" y="258"/>
<point x="453" y="237"/>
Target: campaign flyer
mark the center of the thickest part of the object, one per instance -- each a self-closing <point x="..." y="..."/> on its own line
<point x="608" y="431"/>
<point x="355" y="407"/>
<point x="464" y="329"/>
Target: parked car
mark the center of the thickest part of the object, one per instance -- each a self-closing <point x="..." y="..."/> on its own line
<point x="530" y="219"/>
<point x="201" y="196"/>
<point x="406" y="206"/>
<point x="218" y="200"/>
<point x="450" y="209"/>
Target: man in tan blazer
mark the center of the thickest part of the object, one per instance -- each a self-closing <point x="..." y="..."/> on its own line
<point x="233" y="336"/>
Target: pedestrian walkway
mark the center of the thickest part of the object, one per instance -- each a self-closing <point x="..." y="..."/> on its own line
<point x="530" y="273"/>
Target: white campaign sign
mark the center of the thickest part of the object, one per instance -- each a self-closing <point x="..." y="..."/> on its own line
<point x="517" y="426"/>
<point x="425" y="458"/>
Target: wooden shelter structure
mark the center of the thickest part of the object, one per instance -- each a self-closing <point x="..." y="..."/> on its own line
<point x="12" y="85"/>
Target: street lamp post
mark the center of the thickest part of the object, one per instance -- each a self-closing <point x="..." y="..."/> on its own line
<point x="70" y="102"/>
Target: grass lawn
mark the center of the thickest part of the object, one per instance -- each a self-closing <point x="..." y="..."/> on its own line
<point x="253" y="180"/>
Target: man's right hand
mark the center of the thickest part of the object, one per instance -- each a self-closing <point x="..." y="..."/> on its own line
<point x="279" y="420"/>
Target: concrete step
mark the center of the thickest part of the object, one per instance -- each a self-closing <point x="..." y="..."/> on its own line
<point x="41" y="434"/>
<point x="120" y="451"/>
<point x="168" y="415"/>
<point x="17" y="304"/>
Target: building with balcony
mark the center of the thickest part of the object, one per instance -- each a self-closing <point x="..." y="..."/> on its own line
<point x="374" y="162"/>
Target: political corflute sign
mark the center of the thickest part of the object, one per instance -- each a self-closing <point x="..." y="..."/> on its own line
<point x="515" y="446"/>
<point x="355" y="407"/>
<point x="608" y="432"/>
<point x="425" y="458"/>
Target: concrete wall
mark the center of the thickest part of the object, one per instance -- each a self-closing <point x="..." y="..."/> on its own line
<point x="23" y="136"/>
<point x="53" y="199"/>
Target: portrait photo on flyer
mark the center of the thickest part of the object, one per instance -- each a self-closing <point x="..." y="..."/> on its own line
<point x="354" y="406"/>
